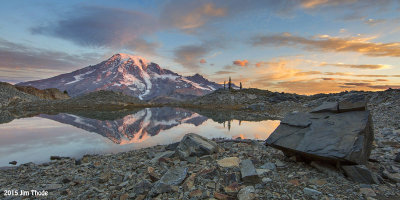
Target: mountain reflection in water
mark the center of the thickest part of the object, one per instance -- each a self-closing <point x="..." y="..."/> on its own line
<point x="75" y="134"/>
<point x="133" y="128"/>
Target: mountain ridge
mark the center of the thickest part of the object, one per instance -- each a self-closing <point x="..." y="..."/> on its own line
<point x="131" y="74"/>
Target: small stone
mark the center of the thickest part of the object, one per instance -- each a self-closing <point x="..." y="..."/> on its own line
<point x="221" y="196"/>
<point x="55" y="158"/>
<point x="52" y="187"/>
<point x="66" y="180"/>
<point x="123" y="184"/>
<point x="280" y="164"/>
<point x="397" y="159"/>
<point x="189" y="182"/>
<point x="368" y="192"/>
<point x="295" y="182"/>
<point x="247" y="193"/>
<point x="311" y="192"/>
<point x="196" y="145"/>
<point x="104" y="177"/>
<point x="195" y="193"/>
<point x="141" y="197"/>
<point x="153" y="176"/>
<point x="266" y="180"/>
<point x="13" y="162"/>
<point x="232" y="189"/>
<point x="124" y="197"/>
<point x="395" y="177"/>
<point x="158" y="156"/>
<point x="210" y="185"/>
<point x="248" y="171"/>
<point x="173" y="177"/>
<point x="142" y="187"/>
<point x="97" y="190"/>
<point x="319" y="182"/>
<point x="269" y="165"/>
<point x="229" y="162"/>
<point x="261" y="172"/>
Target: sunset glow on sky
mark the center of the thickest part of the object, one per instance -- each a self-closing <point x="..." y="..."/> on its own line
<point x="301" y="46"/>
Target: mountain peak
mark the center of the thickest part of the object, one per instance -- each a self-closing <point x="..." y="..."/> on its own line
<point x="123" y="57"/>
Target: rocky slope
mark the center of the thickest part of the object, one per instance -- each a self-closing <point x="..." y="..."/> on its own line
<point x="51" y="93"/>
<point x="10" y="96"/>
<point x="132" y="75"/>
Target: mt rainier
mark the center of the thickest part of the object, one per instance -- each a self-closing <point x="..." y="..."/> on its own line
<point x="132" y="75"/>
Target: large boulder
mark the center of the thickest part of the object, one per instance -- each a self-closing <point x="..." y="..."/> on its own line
<point x="328" y="136"/>
<point x="196" y="145"/>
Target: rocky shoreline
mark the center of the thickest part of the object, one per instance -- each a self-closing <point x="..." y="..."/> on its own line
<point x="239" y="169"/>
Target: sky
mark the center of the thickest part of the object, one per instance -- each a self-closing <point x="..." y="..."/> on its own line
<point x="300" y="46"/>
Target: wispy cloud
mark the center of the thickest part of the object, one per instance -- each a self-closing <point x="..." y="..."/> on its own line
<point x="189" y="55"/>
<point x="20" y="63"/>
<point x="96" y="26"/>
<point x="328" y="43"/>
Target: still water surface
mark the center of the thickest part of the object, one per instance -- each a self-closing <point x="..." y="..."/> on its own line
<point x="37" y="138"/>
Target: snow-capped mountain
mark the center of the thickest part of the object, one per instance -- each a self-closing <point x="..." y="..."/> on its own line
<point x="135" y="127"/>
<point x="133" y="75"/>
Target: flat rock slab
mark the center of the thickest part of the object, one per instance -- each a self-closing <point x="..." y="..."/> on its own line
<point x="326" y="107"/>
<point x="229" y="162"/>
<point x="196" y="145"/>
<point x="249" y="172"/>
<point x="297" y="119"/>
<point x="346" y="137"/>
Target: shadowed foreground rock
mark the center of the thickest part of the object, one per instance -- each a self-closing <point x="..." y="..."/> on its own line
<point x="329" y="136"/>
<point x="196" y="145"/>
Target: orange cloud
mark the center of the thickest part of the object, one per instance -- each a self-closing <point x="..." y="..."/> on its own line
<point x="202" y="61"/>
<point x="242" y="63"/>
<point x="356" y="66"/>
<point x="331" y="44"/>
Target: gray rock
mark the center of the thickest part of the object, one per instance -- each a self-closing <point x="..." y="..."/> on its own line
<point x="172" y="177"/>
<point x="311" y="192"/>
<point x="52" y="187"/>
<point x="247" y="193"/>
<point x="361" y="174"/>
<point x="248" y="171"/>
<point x="165" y="154"/>
<point x="397" y="159"/>
<point x="326" y="107"/>
<point x="345" y="137"/>
<point x="394" y="177"/>
<point x="142" y="187"/>
<point x="13" y="162"/>
<point x="269" y="165"/>
<point x="353" y="103"/>
<point x="195" y="145"/>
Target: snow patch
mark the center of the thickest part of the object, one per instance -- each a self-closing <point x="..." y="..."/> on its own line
<point x="79" y="77"/>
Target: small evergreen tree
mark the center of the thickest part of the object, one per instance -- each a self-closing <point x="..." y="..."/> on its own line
<point x="65" y="92"/>
<point x="240" y="85"/>
<point x="224" y="85"/>
<point x="230" y="83"/>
